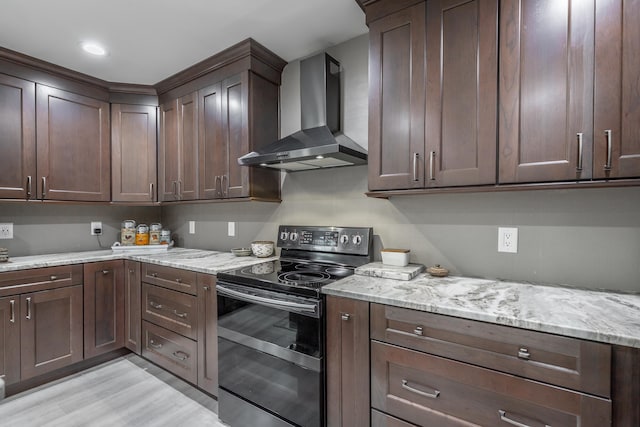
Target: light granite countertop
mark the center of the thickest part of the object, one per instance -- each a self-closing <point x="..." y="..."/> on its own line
<point x="607" y="317"/>
<point x="209" y="262"/>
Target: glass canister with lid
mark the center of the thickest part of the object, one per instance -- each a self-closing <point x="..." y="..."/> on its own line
<point x="154" y="233"/>
<point x="165" y="237"/>
<point x="142" y="234"/>
<point x="128" y="232"/>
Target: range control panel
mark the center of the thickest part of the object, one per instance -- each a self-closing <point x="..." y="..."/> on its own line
<point x="347" y="240"/>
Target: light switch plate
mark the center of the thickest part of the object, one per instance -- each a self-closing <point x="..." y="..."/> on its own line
<point x="192" y="227"/>
<point x="6" y="230"/>
<point x="231" y="229"/>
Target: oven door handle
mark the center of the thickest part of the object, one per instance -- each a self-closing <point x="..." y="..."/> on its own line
<point x="271" y="302"/>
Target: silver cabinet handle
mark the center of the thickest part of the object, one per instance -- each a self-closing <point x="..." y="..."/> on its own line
<point x="52" y="277"/>
<point x="155" y="305"/>
<point x="131" y="271"/>
<point x="503" y="417"/>
<point x="218" y="180"/>
<point x="175" y="189"/>
<point x="154" y="345"/>
<point x="28" y="308"/>
<point x="432" y="158"/>
<point x="180" y="189"/>
<point x="154" y="274"/>
<point x="206" y="288"/>
<point x="29" y="187"/>
<point x="579" y="136"/>
<point x="225" y="189"/>
<point x="105" y="272"/>
<point x="179" y="280"/>
<point x="607" y="135"/>
<point x="406" y="386"/>
<point x="12" y="309"/>
<point x="416" y="157"/>
<point x="418" y="330"/>
<point x="151" y="191"/>
<point x="180" y="315"/>
<point x="345" y="316"/>
<point x="180" y="355"/>
<point x="44" y="187"/>
<point x="523" y="353"/>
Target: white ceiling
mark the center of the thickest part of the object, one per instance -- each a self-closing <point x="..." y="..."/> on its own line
<point x="150" y="40"/>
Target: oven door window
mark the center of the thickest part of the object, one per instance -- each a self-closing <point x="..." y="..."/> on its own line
<point x="270" y="351"/>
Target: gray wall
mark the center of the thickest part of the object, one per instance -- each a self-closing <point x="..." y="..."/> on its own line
<point x="42" y="228"/>
<point x="586" y="238"/>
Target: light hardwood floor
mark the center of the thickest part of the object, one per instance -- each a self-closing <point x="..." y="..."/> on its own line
<point x="127" y="391"/>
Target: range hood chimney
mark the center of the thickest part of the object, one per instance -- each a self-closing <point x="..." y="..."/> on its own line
<point x="320" y="143"/>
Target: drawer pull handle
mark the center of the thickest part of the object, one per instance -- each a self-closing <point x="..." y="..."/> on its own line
<point x="179" y="280"/>
<point x="155" y="305"/>
<point x="131" y="271"/>
<point x="154" y="274"/>
<point x="105" y="272"/>
<point x="180" y="315"/>
<point x="180" y="355"/>
<point x="503" y="417"/>
<point x="154" y="345"/>
<point x="206" y="288"/>
<point x="523" y="353"/>
<point x="53" y="278"/>
<point x="418" y="330"/>
<point x="607" y="134"/>
<point x="406" y="386"/>
<point x="345" y="316"/>
<point x="28" y="308"/>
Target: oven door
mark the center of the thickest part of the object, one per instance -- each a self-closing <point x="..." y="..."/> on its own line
<point x="270" y="354"/>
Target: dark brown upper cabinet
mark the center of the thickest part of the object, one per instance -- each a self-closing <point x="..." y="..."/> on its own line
<point x="397" y="99"/>
<point x="73" y="152"/>
<point x="133" y="153"/>
<point x="462" y="69"/>
<point x="17" y="138"/>
<point x="178" y="161"/>
<point x="546" y="90"/>
<point x="236" y="116"/>
<point x="617" y="90"/>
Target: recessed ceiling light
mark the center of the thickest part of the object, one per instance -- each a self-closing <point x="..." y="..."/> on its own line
<point x="94" y="49"/>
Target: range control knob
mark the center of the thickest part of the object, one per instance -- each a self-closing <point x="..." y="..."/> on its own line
<point x="293" y="236"/>
<point x="357" y="239"/>
<point x="344" y="239"/>
<point x="284" y="235"/>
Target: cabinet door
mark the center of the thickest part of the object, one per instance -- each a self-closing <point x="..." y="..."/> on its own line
<point x="169" y="157"/>
<point x="546" y="90"/>
<point x="235" y="98"/>
<point x="617" y="90"/>
<point x="51" y="330"/>
<point x="188" y="137"/>
<point x="103" y="307"/>
<point x="10" y="339"/>
<point x="348" y="402"/>
<point x="133" y="149"/>
<point x="74" y="156"/>
<point x="17" y="138"/>
<point x="397" y="100"/>
<point x="211" y="144"/>
<point x="207" y="334"/>
<point x="132" y="299"/>
<point x="462" y="69"/>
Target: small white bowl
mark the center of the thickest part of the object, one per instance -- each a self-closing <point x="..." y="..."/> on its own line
<point x="395" y="257"/>
<point x="262" y="248"/>
<point x="241" y="251"/>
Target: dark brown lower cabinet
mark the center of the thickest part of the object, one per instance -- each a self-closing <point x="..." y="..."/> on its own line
<point x="51" y="330"/>
<point x="132" y="316"/>
<point x="10" y="339"/>
<point x="207" y="334"/>
<point x="347" y="362"/>
<point x="103" y="307"/>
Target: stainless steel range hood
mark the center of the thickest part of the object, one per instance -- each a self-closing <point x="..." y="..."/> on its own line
<point x="320" y="143"/>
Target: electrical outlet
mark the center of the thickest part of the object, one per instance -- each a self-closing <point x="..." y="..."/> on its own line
<point x="508" y="240"/>
<point x="6" y="230"/>
<point x="231" y="229"/>
<point x="192" y="227"/>
<point x="96" y="228"/>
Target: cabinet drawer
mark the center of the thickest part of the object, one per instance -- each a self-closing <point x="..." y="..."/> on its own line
<point x="39" y="279"/>
<point x="429" y="390"/>
<point x="568" y="362"/>
<point x="173" y="352"/>
<point x="168" y="277"/>
<point x="378" y="419"/>
<point x="173" y="310"/>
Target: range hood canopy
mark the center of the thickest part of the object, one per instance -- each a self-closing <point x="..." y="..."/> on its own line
<point x="320" y="143"/>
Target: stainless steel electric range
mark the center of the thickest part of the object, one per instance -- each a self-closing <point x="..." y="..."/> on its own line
<point x="271" y="327"/>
